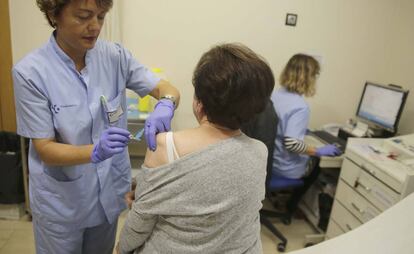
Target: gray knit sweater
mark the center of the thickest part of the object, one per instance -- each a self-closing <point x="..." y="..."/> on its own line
<point x="205" y="202"/>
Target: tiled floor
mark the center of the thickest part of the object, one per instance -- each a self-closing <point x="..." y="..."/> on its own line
<point x="16" y="237"/>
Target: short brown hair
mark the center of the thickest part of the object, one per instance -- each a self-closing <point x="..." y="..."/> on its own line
<point x="299" y="74"/>
<point x="54" y="7"/>
<point x="233" y="84"/>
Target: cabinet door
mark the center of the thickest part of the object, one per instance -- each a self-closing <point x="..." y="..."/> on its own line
<point x="350" y="172"/>
<point x="355" y="203"/>
<point x="383" y="174"/>
<point x="341" y="216"/>
<point x="333" y="230"/>
<point x="375" y="191"/>
<point x="379" y="194"/>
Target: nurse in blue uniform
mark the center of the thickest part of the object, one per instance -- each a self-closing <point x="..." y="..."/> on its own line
<point x="291" y="154"/>
<point x="70" y="101"/>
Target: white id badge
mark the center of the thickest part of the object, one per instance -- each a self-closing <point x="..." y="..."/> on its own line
<point x="113" y="116"/>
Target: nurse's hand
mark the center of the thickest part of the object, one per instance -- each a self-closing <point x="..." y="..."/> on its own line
<point x="158" y="121"/>
<point x="112" y="141"/>
<point x="328" y="150"/>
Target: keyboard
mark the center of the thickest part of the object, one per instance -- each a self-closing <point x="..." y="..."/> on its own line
<point x="328" y="138"/>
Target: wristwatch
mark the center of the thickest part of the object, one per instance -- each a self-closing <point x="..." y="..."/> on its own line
<point x="169" y="97"/>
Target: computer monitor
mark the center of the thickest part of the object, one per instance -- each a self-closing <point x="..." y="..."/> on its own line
<point x="381" y="106"/>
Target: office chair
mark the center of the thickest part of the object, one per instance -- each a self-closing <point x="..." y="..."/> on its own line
<point x="277" y="184"/>
<point x="264" y="127"/>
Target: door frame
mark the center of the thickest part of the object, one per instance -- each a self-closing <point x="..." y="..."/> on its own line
<point x="7" y="107"/>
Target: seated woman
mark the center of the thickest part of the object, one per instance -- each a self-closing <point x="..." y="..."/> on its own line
<point x="291" y="153"/>
<point x="201" y="190"/>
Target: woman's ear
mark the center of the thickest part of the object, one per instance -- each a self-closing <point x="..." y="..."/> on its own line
<point x="199" y="108"/>
<point x="52" y="19"/>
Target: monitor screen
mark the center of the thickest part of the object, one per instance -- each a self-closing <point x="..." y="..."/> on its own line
<point x="382" y="105"/>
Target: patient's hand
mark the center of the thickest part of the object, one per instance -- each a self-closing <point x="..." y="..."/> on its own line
<point x="129" y="198"/>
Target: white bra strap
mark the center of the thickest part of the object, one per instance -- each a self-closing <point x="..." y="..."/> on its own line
<point x="171" y="150"/>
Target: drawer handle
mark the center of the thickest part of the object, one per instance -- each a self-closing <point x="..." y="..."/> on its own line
<point x="362" y="185"/>
<point x="371" y="171"/>
<point x="357" y="208"/>
<point x="348" y="227"/>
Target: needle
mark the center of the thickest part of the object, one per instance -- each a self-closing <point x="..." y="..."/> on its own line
<point x="137" y="136"/>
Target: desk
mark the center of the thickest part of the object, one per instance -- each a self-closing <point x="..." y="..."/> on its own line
<point x="370" y="183"/>
<point x="309" y="203"/>
<point x="391" y="232"/>
<point x="325" y="162"/>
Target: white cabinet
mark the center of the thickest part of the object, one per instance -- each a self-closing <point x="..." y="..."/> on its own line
<point x="370" y="182"/>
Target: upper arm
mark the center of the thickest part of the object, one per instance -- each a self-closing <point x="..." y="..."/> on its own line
<point x="34" y="117"/>
<point x="295" y="145"/>
<point x="138" y="77"/>
<point x="137" y="228"/>
<point x="297" y="124"/>
<point x="159" y="156"/>
<point x="142" y="217"/>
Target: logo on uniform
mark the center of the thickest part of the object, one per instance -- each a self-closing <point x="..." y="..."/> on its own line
<point x="55" y="108"/>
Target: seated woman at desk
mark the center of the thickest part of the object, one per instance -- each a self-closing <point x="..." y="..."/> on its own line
<point x="291" y="153"/>
<point x="202" y="188"/>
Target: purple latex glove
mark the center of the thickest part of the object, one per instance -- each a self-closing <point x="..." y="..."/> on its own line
<point x="112" y="141"/>
<point x="158" y="121"/>
<point x="328" y="150"/>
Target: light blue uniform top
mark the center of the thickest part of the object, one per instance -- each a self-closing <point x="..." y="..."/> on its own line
<point x="54" y="100"/>
<point x="293" y="113"/>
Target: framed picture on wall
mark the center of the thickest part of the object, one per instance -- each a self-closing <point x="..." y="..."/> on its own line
<point x="291" y="19"/>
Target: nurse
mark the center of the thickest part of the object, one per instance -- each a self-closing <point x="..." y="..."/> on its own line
<point x="70" y="101"/>
<point x="291" y="153"/>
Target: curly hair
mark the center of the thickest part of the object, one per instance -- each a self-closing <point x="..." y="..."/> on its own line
<point x="299" y="74"/>
<point x="54" y="7"/>
<point x="233" y="84"/>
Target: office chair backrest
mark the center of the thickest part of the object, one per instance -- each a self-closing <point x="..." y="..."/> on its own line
<point x="264" y="127"/>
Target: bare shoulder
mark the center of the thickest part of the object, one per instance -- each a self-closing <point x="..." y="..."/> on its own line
<point x="184" y="135"/>
<point x="191" y="140"/>
<point x="159" y="156"/>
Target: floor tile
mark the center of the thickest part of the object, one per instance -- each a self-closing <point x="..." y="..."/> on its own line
<point x="7" y="224"/>
<point x="295" y="234"/>
<point x="5" y="234"/>
<point x="16" y="237"/>
<point x="17" y="248"/>
<point x="2" y="243"/>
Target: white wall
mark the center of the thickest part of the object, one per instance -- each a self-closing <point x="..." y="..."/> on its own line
<point x="400" y="66"/>
<point x="358" y="40"/>
<point x="29" y="28"/>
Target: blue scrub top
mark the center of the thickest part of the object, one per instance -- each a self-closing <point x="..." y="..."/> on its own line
<point x="293" y="113"/>
<point x="54" y="100"/>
